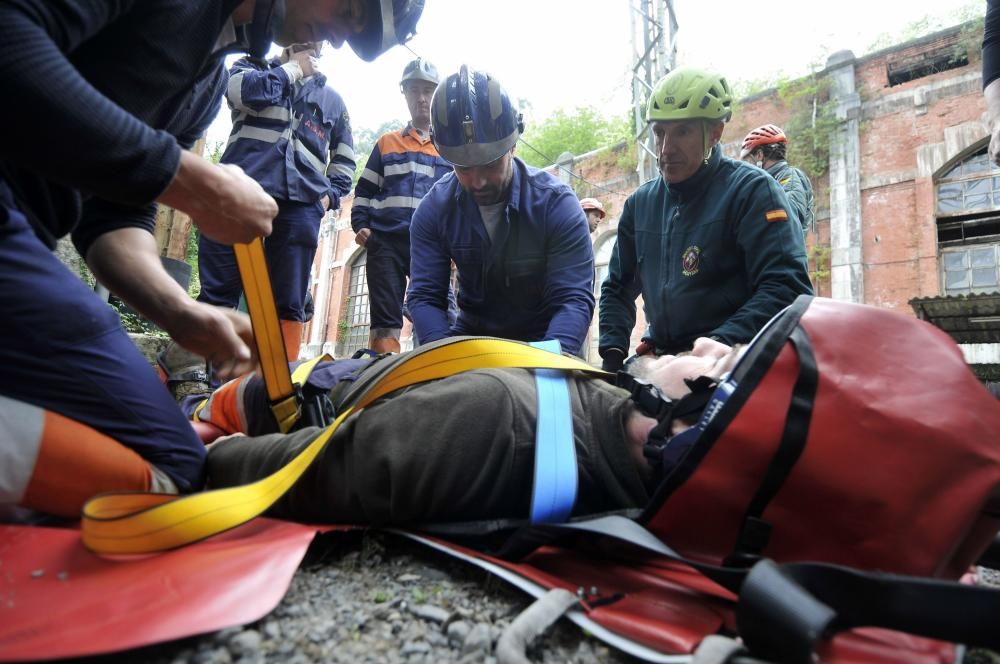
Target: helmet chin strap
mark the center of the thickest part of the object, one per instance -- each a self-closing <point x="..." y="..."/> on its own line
<point x="652" y="402"/>
<point x="706" y="147"/>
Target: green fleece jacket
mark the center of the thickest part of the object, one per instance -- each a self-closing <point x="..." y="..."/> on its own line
<point x="456" y="449"/>
<point x="716" y="255"/>
<point x="798" y="189"/>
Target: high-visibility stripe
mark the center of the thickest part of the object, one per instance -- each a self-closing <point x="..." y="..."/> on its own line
<point x="372" y="176"/>
<point x="257" y="134"/>
<point x="144" y="523"/>
<point x="393" y="201"/>
<point x="408" y="167"/>
<point x="21" y="424"/>
<point x="340" y="169"/>
<point x="317" y="164"/>
<point x="344" y="150"/>
<point x="234" y="91"/>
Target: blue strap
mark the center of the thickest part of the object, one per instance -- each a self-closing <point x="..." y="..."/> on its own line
<point x="555" y="485"/>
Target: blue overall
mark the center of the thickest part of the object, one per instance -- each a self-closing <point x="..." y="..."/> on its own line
<point x="63" y="349"/>
<point x="289" y="249"/>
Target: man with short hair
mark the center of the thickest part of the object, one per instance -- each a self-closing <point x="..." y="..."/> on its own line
<point x="292" y="134"/>
<point x="91" y="416"/>
<point x="516" y="234"/>
<point x="708" y="243"/>
<point x="403" y="166"/>
<point x="765" y="147"/>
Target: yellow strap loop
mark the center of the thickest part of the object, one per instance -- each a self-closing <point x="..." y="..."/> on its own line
<point x="127" y="523"/>
<point x="267" y="330"/>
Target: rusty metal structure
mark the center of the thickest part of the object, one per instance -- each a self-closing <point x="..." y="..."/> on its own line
<point x="654" y="48"/>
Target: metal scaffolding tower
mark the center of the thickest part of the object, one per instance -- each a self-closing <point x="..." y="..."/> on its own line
<point x="654" y="51"/>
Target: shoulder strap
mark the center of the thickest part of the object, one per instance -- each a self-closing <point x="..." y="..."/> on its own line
<point x="126" y="523"/>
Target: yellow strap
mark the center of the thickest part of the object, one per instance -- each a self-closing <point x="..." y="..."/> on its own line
<point x="127" y="523"/>
<point x="267" y="331"/>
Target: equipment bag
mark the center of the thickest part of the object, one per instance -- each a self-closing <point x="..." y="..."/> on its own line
<point x="847" y="434"/>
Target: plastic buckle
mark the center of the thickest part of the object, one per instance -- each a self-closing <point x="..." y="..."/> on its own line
<point x="287" y="411"/>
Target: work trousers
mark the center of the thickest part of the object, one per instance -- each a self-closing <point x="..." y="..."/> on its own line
<point x="388" y="266"/>
<point x="290" y="249"/>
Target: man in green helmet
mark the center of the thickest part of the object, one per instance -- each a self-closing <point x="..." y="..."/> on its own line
<point x="708" y="244"/>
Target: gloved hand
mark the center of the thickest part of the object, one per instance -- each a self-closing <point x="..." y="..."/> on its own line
<point x="613" y="358"/>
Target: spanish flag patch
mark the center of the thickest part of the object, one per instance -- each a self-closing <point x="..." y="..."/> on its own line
<point x="776" y="215"/>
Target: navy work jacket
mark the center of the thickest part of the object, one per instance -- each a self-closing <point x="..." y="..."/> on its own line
<point x="534" y="281"/>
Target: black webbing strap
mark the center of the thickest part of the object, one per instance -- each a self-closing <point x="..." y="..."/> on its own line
<point x="784" y="610"/>
<point x="754" y="530"/>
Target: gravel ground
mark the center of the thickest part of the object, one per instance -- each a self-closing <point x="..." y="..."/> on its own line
<point x="381" y="598"/>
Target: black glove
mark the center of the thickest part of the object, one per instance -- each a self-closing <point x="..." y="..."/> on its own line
<point x="614" y="358"/>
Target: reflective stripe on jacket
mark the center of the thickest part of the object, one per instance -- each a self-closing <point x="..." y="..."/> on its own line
<point x="294" y="138"/>
<point x="400" y="171"/>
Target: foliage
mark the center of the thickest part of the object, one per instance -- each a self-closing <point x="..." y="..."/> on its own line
<point x="194" y="287"/>
<point x="811" y="125"/>
<point x="214" y="150"/>
<point x="972" y="10"/>
<point x="133" y="322"/>
<point x="818" y="260"/>
<point x="364" y="142"/>
<point x="577" y="132"/>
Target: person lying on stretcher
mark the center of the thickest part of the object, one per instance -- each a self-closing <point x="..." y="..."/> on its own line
<point x="457" y="448"/>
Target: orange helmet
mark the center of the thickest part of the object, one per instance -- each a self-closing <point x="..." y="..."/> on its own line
<point x="764" y="135"/>
<point x="592" y="204"/>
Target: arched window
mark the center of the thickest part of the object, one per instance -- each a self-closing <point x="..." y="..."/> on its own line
<point x="356" y="317"/>
<point x="968" y="225"/>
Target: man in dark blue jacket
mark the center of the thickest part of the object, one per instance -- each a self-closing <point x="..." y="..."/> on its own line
<point x="291" y="133"/>
<point x="708" y="244"/>
<point x="118" y="125"/>
<point x="517" y="235"/>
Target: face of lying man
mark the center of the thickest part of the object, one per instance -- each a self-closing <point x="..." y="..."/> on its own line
<point x="708" y="358"/>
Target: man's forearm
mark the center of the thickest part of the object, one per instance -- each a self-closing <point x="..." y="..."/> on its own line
<point x="127" y="262"/>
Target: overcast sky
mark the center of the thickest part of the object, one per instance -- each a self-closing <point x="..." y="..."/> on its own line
<point x="570" y="53"/>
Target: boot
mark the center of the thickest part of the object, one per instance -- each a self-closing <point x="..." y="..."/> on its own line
<point x="182" y="371"/>
<point x="385" y="345"/>
<point x="291" y="330"/>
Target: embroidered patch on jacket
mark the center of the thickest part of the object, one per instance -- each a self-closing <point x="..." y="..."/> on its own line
<point x="689" y="261"/>
<point x="776" y="215"/>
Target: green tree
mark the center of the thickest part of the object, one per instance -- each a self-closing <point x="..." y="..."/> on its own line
<point x="577" y="132"/>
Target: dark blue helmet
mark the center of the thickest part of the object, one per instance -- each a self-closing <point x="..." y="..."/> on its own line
<point x="387" y="23"/>
<point x="472" y="120"/>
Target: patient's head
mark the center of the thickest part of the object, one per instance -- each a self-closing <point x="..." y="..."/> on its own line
<point x="708" y="357"/>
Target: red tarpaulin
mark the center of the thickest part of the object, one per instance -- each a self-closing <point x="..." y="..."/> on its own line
<point x="59" y="600"/>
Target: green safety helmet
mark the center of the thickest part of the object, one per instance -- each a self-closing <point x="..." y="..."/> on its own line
<point x="688" y="94"/>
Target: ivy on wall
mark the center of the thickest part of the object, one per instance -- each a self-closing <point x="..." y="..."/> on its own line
<point x="811" y="123"/>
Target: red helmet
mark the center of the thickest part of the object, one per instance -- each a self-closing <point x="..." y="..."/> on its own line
<point x="592" y="204"/>
<point x="764" y="135"/>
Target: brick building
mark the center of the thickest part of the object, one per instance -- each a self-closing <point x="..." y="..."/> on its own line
<point x="908" y="208"/>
